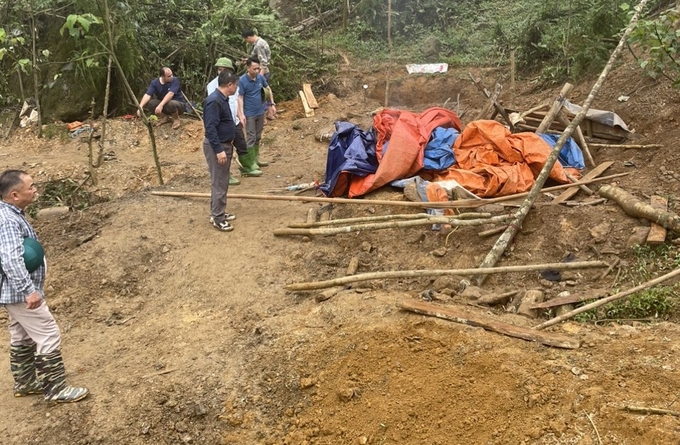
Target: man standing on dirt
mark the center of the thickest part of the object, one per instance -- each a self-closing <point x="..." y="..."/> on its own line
<point x="218" y="147"/>
<point x="251" y="87"/>
<point x="260" y="50"/>
<point x="35" y="357"/>
<point x="224" y="64"/>
<point x="164" y="98"/>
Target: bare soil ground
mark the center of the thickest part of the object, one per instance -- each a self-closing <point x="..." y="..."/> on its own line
<point x="186" y="335"/>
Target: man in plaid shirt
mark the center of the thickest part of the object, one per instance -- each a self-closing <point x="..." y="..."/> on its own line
<point x="35" y="357"/>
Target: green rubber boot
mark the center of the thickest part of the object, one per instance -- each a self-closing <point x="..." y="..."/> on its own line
<point x="233" y="180"/>
<point x="22" y="364"/>
<point x="51" y="373"/>
<point x="259" y="161"/>
<point x="248" y="165"/>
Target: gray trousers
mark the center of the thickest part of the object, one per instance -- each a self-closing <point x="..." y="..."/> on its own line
<point x="219" y="179"/>
<point x="254" y="126"/>
<point x="28" y="326"/>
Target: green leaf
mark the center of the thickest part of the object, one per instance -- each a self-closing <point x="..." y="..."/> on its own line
<point x="3" y="35"/>
<point x="46" y="52"/>
<point x="2" y="52"/>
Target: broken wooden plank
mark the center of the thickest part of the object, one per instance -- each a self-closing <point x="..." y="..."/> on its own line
<point x="571" y="191"/>
<point x="308" y="111"/>
<point x="311" y="100"/>
<point x="657" y="233"/>
<point x="459" y="316"/>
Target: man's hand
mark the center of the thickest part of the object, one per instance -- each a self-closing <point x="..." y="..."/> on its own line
<point x="33" y="300"/>
<point x="221" y="158"/>
<point x="159" y="109"/>
<point x="242" y="118"/>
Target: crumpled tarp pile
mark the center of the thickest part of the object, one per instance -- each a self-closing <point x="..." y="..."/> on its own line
<point x="484" y="158"/>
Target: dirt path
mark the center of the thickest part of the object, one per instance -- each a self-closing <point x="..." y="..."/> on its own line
<point x="185" y="334"/>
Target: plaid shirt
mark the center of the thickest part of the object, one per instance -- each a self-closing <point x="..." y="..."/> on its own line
<point x="16" y="283"/>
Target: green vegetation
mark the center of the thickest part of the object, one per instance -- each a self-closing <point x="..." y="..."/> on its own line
<point x="658" y="302"/>
<point x="552" y="40"/>
<point x="61" y="192"/>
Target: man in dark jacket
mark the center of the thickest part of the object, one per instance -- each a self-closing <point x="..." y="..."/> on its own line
<point x="218" y="147"/>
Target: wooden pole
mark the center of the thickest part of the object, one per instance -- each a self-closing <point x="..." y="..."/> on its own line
<point x="614" y="297"/>
<point x="513" y="91"/>
<point x="509" y="234"/>
<point x="326" y="231"/>
<point x="337" y="222"/>
<point x="580" y="139"/>
<point x="555" y="108"/>
<point x="462" y="203"/>
<point x="440" y="272"/>
<point x="389" y="47"/>
<point x="625" y="146"/>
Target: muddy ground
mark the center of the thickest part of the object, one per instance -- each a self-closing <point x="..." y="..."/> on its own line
<point x="186" y="335"/>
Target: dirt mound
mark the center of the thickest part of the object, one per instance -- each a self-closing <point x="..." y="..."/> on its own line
<point x="186" y="335"/>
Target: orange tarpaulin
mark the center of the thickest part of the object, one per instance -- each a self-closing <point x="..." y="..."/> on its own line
<point x="491" y="161"/>
<point x="408" y="134"/>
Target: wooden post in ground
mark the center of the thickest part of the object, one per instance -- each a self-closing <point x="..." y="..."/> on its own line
<point x="504" y="240"/>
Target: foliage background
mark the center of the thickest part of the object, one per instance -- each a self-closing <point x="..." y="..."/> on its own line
<point x="553" y="40"/>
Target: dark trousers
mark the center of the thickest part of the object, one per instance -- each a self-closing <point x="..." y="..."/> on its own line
<point x="219" y="179"/>
<point x="240" y="141"/>
<point x="172" y="107"/>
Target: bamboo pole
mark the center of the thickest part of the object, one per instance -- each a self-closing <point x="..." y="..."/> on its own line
<point x="463" y="203"/>
<point x="337" y="222"/>
<point x="439" y="273"/>
<point x="625" y="146"/>
<point x="326" y="231"/>
<point x="555" y="108"/>
<point x="614" y="297"/>
<point x="509" y="234"/>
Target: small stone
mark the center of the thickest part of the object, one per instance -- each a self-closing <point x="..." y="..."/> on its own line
<point x="307" y="382"/>
<point x="346" y="394"/>
<point x="145" y="428"/>
<point x="363" y="440"/>
<point x="576" y="371"/>
<point x="165" y="249"/>
<point x="181" y="427"/>
<point x="439" y="252"/>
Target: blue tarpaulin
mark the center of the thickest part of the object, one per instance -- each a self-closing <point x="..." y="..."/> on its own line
<point x="351" y="150"/>
<point x="438" y="152"/>
<point x="570" y="155"/>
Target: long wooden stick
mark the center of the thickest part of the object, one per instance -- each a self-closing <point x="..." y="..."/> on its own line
<point x="463" y="203"/>
<point x="580" y="139"/>
<point x="509" y="234"/>
<point x="625" y="146"/>
<point x="453" y="314"/>
<point x="326" y="231"/>
<point x="441" y="272"/>
<point x="405" y="217"/>
<point x="645" y="410"/>
<point x="603" y="301"/>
